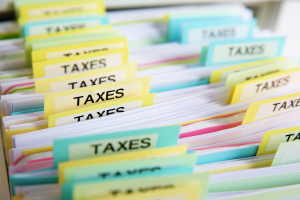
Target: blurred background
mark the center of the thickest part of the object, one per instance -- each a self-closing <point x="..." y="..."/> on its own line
<point x="281" y="17"/>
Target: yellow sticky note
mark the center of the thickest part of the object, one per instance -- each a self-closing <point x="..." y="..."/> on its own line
<point x="70" y="32"/>
<point x="62" y="8"/>
<point x="272" y="139"/>
<point x="86" y="79"/>
<point x="264" y="85"/>
<point x="142" y="154"/>
<point x="80" y="63"/>
<point x="78" y="49"/>
<point x="100" y="110"/>
<point x="272" y="107"/>
<point x="57" y="102"/>
<point x="221" y="74"/>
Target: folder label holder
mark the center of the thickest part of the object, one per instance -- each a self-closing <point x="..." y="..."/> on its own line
<point x="80" y="63"/>
<point x="101" y="110"/>
<point x="61" y="8"/>
<point x="271" y="107"/>
<point x="86" y="79"/>
<point x="166" y="136"/>
<point x="56" y="26"/>
<point x="225" y="52"/>
<point x="272" y="139"/>
<point x="205" y="32"/>
<point x="260" y="86"/>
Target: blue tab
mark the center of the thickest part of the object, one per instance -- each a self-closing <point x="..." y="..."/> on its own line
<point x="175" y="23"/>
<point x="204" y="32"/>
<point x="52" y="26"/>
<point x="227" y="52"/>
<point x="97" y="145"/>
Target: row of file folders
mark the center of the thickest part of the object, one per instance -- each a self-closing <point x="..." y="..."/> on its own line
<point x="172" y="103"/>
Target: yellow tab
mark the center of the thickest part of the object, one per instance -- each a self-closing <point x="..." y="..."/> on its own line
<point x="100" y="110"/>
<point x="221" y="74"/>
<point x="80" y="63"/>
<point x="142" y="154"/>
<point x="272" y="139"/>
<point x="85" y="79"/>
<point x="272" y="107"/>
<point x="264" y="85"/>
<point x="78" y="49"/>
<point x="70" y="32"/>
<point x="57" y="102"/>
<point x="62" y="8"/>
<point x="37" y="150"/>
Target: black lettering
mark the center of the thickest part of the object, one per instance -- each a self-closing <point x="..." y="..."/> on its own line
<point x="283" y="106"/>
<point x="131" y="172"/>
<point x="75" y="68"/>
<point x="96" y="147"/>
<point x="122" y="146"/>
<point x="132" y="143"/>
<point x="93" y="63"/>
<point x="100" y="97"/>
<point x="65" y="68"/>
<point x="100" y="80"/>
<point x="78" y="99"/>
<point x="90" y="116"/>
<point x="93" y="82"/>
<point x="110" y="113"/>
<point x="101" y="114"/>
<point x="297" y="103"/>
<point x="49" y="29"/>
<point x="109" y="147"/>
<point x="67" y="54"/>
<point x="115" y="192"/>
<point x="85" y="65"/>
<point x="145" y="141"/>
<point x="119" y="91"/>
<point x="119" y="109"/>
<point x="83" y="84"/>
<point x="89" y="98"/>
<point x="297" y="137"/>
<point x="73" y="87"/>
<point x="265" y="86"/>
<point x="258" y="85"/>
<point x="289" y="135"/>
<point x="110" y="78"/>
<point x="292" y="104"/>
<point x="109" y="93"/>
<point x="78" y="117"/>
<point x="275" y="106"/>
<point x="104" y="175"/>
<point x="102" y="62"/>
<point x="230" y="49"/>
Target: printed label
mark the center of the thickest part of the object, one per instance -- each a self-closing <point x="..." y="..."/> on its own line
<point x="89" y="81"/>
<point x="79" y="51"/>
<point x="277" y="107"/>
<point x="112" y="146"/>
<point x="61" y="27"/>
<point x="275" y="140"/>
<point x="258" y="88"/>
<point x="247" y="51"/>
<point x="68" y="9"/>
<point x="207" y="34"/>
<point x="99" y="113"/>
<point x="71" y="102"/>
<point x="84" y="64"/>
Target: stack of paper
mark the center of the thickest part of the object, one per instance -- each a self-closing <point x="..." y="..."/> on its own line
<point x="174" y="103"/>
